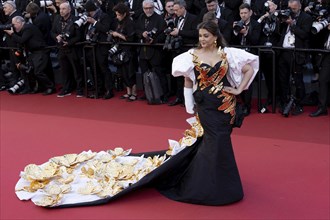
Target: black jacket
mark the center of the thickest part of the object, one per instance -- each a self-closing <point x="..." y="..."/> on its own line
<point x="253" y="36"/>
<point x="43" y="22"/>
<point x="188" y="32"/>
<point x="301" y="30"/>
<point x="30" y="37"/>
<point x="74" y="33"/>
<point x="154" y="22"/>
<point x="104" y="24"/>
<point x="9" y="42"/>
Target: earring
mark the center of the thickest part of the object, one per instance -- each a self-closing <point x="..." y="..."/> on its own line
<point x="215" y="43"/>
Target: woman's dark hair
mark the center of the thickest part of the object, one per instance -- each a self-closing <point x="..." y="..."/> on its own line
<point x="213" y="28"/>
<point x="122" y="9"/>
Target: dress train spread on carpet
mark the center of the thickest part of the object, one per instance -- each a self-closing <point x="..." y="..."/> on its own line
<point x="200" y="168"/>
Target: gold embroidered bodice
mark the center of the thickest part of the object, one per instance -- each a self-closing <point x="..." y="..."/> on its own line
<point x="212" y="78"/>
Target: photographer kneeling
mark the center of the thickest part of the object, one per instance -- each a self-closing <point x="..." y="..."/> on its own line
<point x="30" y="37"/>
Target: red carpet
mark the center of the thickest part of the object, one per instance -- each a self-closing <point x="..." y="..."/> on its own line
<point x="284" y="162"/>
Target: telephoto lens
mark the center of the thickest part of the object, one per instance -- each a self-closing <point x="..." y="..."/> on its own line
<point x="16" y="87"/>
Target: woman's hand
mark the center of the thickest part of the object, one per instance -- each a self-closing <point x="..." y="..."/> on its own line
<point x="247" y="72"/>
<point x="232" y="90"/>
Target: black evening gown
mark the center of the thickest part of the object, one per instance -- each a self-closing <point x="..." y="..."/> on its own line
<point x="211" y="176"/>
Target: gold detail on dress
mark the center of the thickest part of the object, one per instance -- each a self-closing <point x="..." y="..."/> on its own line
<point x="215" y="84"/>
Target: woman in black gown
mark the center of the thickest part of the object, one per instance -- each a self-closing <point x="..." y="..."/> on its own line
<point x="212" y="177"/>
<point x="204" y="172"/>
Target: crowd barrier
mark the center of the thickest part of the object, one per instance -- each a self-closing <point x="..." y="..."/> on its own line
<point x="273" y="50"/>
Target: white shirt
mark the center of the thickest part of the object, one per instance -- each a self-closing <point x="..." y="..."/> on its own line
<point x="289" y="39"/>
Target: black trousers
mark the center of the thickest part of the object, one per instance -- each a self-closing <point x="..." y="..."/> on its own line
<point x="2" y="77"/>
<point x="40" y="60"/>
<point x="266" y="65"/>
<point x="103" y="73"/>
<point x="288" y="65"/>
<point x="324" y="80"/>
<point x="71" y="69"/>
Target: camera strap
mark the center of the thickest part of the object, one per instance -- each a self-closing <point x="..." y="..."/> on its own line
<point x="158" y="7"/>
<point x="181" y="22"/>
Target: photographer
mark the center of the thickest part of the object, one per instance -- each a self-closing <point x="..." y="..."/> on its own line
<point x="246" y="33"/>
<point x="295" y="28"/>
<point x="150" y="30"/>
<point x="135" y="7"/>
<point x="218" y="9"/>
<point x="169" y="17"/>
<point x="9" y="9"/>
<point x="39" y="19"/>
<point x="184" y="32"/>
<point x="270" y="36"/>
<point x="32" y="40"/>
<point x="320" y="11"/>
<point x="324" y="80"/>
<point x="125" y="32"/>
<point x="98" y="24"/>
<point x="67" y="34"/>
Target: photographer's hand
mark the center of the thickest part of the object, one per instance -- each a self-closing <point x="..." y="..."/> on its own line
<point x="59" y="38"/>
<point x="289" y="21"/>
<point x="9" y="32"/>
<point x="91" y="20"/>
<point x="263" y="17"/>
<point x="52" y="9"/>
<point x="145" y="34"/>
<point x="244" y="30"/>
<point x="175" y="32"/>
<point x="307" y="9"/>
<point x="119" y="35"/>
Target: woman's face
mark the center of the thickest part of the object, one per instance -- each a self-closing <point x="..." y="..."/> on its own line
<point x="119" y="16"/>
<point x="206" y="39"/>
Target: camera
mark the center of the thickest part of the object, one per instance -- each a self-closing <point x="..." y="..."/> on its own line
<point x="319" y="25"/>
<point x="266" y="7"/>
<point x="82" y="20"/>
<point x="5" y="27"/>
<point x="26" y="68"/>
<point x="16" y="87"/>
<point x="313" y="6"/>
<point x="65" y="36"/>
<point x="283" y="14"/>
<point x="114" y="49"/>
<point x="170" y="25"/>
<point x="173" y="43"/>
<point x="151" y="34"/>
<point x="79" y="7"/>
<point x="44" y="3"/>
<point x="238" y="26"/>
<point x="289" y="107"/>
<point x="321" y="19"/>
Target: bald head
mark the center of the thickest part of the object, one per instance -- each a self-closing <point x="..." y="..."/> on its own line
<point x="18" y="23"/>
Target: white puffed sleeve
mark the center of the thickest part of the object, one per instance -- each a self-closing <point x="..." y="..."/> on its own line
<point x="183" y="65"/>
<point x="237" y="58"/>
